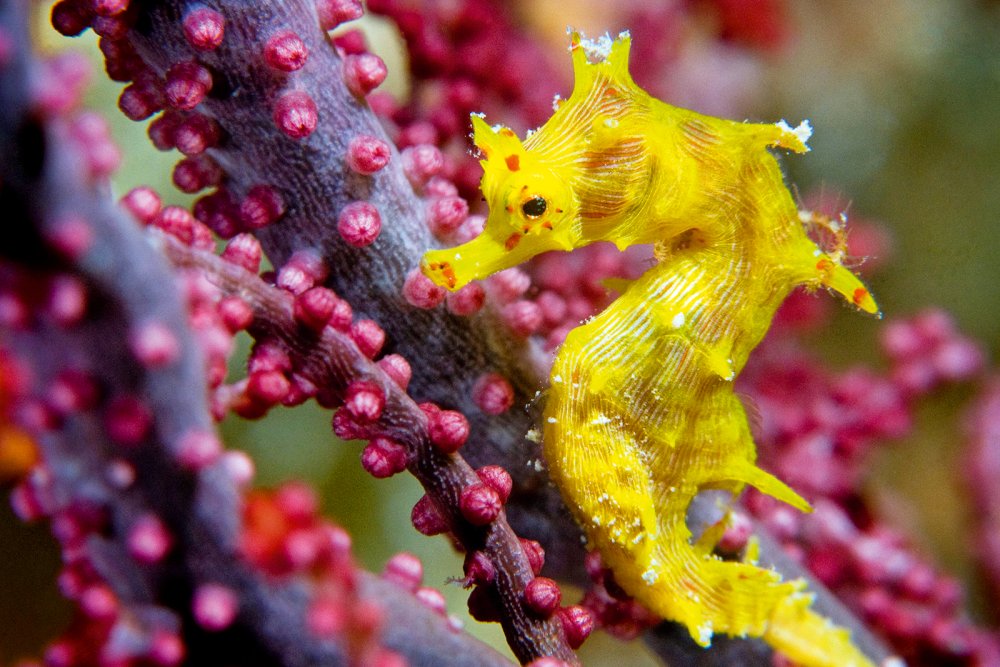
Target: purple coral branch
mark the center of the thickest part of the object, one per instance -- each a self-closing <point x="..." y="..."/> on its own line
<point x="447" y="353"/>
<point x="332" y="360"/>
<point x="157" y="519"/>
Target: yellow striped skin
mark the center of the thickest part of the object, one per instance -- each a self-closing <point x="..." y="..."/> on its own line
<point x="641" y="414"/>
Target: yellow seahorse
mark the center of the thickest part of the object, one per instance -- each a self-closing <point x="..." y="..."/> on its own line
<point x="641" y="414"/>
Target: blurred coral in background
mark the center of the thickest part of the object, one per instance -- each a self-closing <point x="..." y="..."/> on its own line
<point x="178" y="332"/>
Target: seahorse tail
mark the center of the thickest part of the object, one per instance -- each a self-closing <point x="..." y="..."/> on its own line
<point x="810" y="639"/>
<point x="711" y="596"/>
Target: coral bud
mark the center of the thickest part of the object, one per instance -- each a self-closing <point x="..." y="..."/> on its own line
<point x="577" y="623"/>
<point x="344" y="425"/>
<point x="509" y="284"/>
<point x="523" y="317"/>
<point x="286" y="51"/>
<point x="326" y="617"/>
<point x="214" y="607"/>
<point x="163" y="129"/>
<point x="244" y="250"/>
<point x="334" y="12"/>
<point x="383" y="458"/>
<point x="493" y="394"/>
<point x="186" y="85"/>
<point x="553" y="308"/>
<point x="148" y="539"/>
<point x="350" y="42"/>
<point x="98" y="602"/>
<point x="479" y="569"/>
<point x="295" y="114"/>
<point x="193" y="174"/>
<point x="195" y="133"/>
<point x="432" y="599"/>
<point x="466" y="301"/>
<point x="397" y="368"/>
<point x="448" y="430"/>
<point x="446" y="214"/>
<point x="204" y="28"/>
<point x="420" y="291"/>
<point x="268" y="387"/>
<point x="197" y="449"/>
<point x="71" y="391"/>
<point x="111" y="27"/>
<point x="368" y="336"/>
<point x="166" y="648"/>
<point x="298" y="503"/>
<point x="484" y="605"/>
<point x="236" y="314"/>
<point x="69" y="18"/>
<point x="480" y="504"/>
<point x="426" y="518"/>
<point x="535" y="554"/>
<point x="240" y="467"/>
<point x="367" y="154"/>
<point x="497" y="479"/>
<point x="363" y="73"/>
<point x="70" y="236"/>
<point x="359" y="224"/>
<point x="342" y="315"/>
<point x="418" y="133"/>
<point x="542" y="596"/>
<point x="177" y="222"/>
<point x="364" y="401"/>
<point x="314" y="307"/>
<point x="138" y="101"/>
<point x="404" y="569"/>
<point x="737" y="533"/>
<point x="262" y="206"/>
<point x="154" y="345"/>
<point x="442" y="187"/>
<point x="127" y="420"/>
<point x="67" y="300"/>
<point x="421" y="162"/>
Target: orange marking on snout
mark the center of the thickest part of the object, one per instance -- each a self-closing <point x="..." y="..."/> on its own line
<point x="859" y="295"/>
<point x="513" y="162"/>
<point x="512" y="241"/>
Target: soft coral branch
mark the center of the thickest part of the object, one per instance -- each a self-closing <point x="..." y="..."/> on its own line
<point x="332" y="360"/>
<point x="312" y="177"/>
<point x="145" y="504"/>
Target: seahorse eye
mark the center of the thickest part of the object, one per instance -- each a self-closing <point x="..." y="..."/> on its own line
<point x="534" y="207"/>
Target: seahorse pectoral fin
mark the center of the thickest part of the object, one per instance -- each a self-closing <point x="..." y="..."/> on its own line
<point x="767" y="483"/>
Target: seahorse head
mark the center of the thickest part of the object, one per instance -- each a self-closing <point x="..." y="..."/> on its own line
<point x="532" y="210"/>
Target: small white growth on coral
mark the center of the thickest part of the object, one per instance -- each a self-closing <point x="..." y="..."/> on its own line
<point x="802" y="131"/>
<point x="556" y="101"/>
